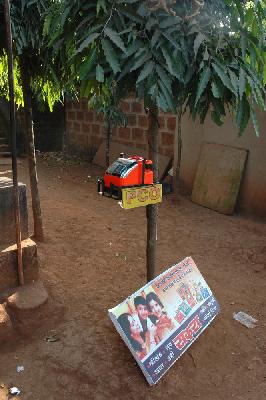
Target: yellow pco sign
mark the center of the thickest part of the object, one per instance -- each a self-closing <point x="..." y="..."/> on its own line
<point x="141" y="196"/>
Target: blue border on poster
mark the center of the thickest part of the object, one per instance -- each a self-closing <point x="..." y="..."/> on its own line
<point x="164" y="357"/>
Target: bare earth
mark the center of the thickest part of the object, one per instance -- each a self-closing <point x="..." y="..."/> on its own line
<point x="94" y="256"/>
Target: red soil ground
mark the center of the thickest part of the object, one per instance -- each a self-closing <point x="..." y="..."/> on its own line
<point x="94" y="256"/>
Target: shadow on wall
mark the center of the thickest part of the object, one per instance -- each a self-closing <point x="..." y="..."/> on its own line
<point x="48" y="127"/>
<point x="84" y="153"/>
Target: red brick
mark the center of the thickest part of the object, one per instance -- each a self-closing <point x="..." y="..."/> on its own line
<point x="76" y="105"/>
<point x="132" y="120"/>
<point x="95" y="129"/>
<point x="171" y="123"/>
<point x="89" y="116"/>
<point x="167" y="139"/>
<point x="96" y="140"/>
<point x="114" y="132"/>
<point x="71" y="115"/>
<point x="137" y="134"/>
<point x="83" y="139"/>
<point x="84" y="105"/>
<point x="136" y="107"/>
<point x="69" y="125"/>
<point x="86" y="128"/>
<point x="102" y="130"/>
<point x="125" y="106"/>
<point x="143" y="121"/>
<point x="69" y="105"/>
<point x="161" y="121"/>
<point x="124" y="133"/>
<point x="76" y="126"/>
<point x="126" y="142"/>
<point x="141" y="146"/>
<point x="80" y="115"/>
<point x="99" y="117"/>
<point x="168" y="151"/>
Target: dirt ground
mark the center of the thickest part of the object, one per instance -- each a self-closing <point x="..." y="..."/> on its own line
<point x="94" y="257"/>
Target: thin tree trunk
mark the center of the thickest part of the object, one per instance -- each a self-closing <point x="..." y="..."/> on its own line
<point x="107" y="143"/>
<point x="36" y="205"/>
<point x="152" y="209"/>
<point x="13" y="143"/>
<point x="177" y="152"/>
<point x="64" y="136"/>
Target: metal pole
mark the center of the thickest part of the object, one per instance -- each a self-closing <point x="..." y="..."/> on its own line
<point x="13" y="142"/>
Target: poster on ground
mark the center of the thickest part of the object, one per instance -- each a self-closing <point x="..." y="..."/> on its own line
<point x="161" y="320"/>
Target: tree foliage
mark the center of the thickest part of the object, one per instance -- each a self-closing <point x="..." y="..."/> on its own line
<point x="213" y="59"/>
<point x="27" y="23"/>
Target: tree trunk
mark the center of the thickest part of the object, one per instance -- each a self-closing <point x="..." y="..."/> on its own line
<point x="14" y="143"/>
<point x="36" y="206"/>
<point x="152" y="209"/>
<point x="107" y="143"/>
<point x="177" y="152"/>
<point x="64" y="136"/>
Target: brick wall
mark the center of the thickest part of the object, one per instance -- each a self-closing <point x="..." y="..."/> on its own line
<point x="85" y="129"/>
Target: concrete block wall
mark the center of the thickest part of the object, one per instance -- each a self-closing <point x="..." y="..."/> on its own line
<point x="85" y="129"/>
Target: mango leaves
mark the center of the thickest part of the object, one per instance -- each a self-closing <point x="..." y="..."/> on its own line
<point x="28" y="23"/>
<point x="211" y="61"/>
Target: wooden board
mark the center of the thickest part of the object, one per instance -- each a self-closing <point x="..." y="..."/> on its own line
<point x="117" y="148"/>
<point x="218" y="177"/>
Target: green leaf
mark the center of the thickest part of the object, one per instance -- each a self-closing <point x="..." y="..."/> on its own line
<point x="223" y="76"/>
<point x="198" y="42"/>
<point x="218" y="106"/>
<point x="215" y="90"/>
<point x="140" y="61"/>
<point x="87" y="66"/>
<point x="115" y="38"/>
<point x="136" y="45"/>
<point x="243" y="114"/>
<point x="168" y="96"/>
<point x="110" y="55"/>
<point x="47" y="24"/>
<point x="150" y="23"/>
<point x="216" y="117"/>
<point x="203" y="82"/>
<point x="155" y="37"/>
<point x="234" y="80"/>
<point x="143" y="10"/>
<point x="168" y="61"/>
<point x="161" y="102"/>
<point x="91" y="38"/>
<point x="240" y="10"/>
<point x="164" y="77"/>
<point x="99" y="73"/>
<point x="146" y="71"/>
<point x="243" y="44"/>
<point x="153" y="91"/>
<point x="101" y="4"/>
<point x="126" y="69"/>
<point x="242" y="83"/>
<point x="255" y="121"/>
<point x="170" y="21"/>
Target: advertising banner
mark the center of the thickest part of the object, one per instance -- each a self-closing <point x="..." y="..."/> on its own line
<point x="141" y="196"/>
<point x="161" y="320"/>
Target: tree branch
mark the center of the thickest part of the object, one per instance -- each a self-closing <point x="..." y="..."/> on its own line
<point x="154" y="5"/>
<point x="199" y="5"/>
